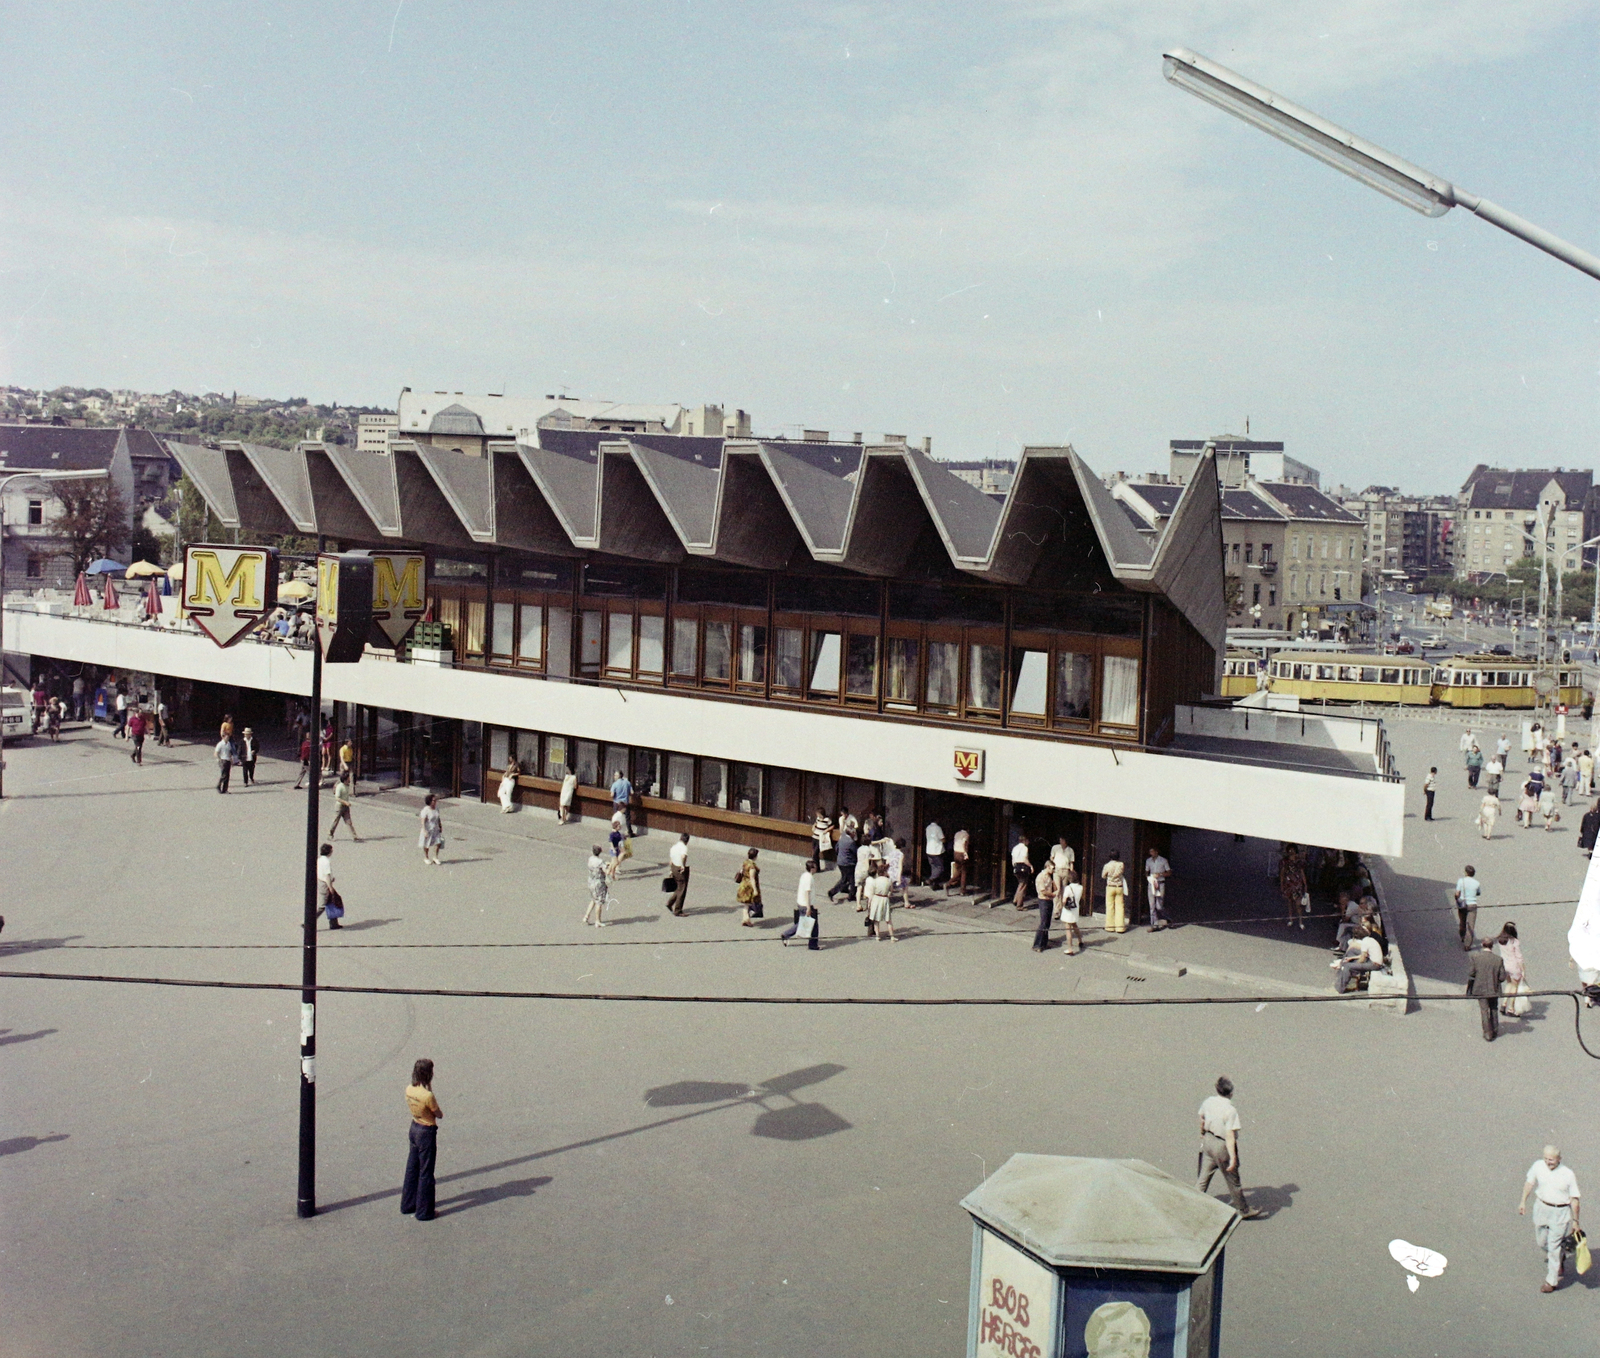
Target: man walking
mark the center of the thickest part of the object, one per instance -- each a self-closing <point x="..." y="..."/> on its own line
<point x="78" y="706"/>
<point x="416" y="1191"/>
<point x="163" y="723"/>
<point x="845" y="860"/>
<point x="224" y="753"/>
<point x="343" y="799"/>
<point x="1486" y="973"/>
<point x="1555" y="1210"/>
<point x="1113" y="874"/>
<point x="1022" y="868"/>
<point x="678" y="864"/>
<point x="1468" y="892"/>
<point x="933" y="851"/>
<point x="1219" y="1146"/>
<point x="136" y="726"/>
<point x="1156" y="872"/>
<point x="1474" y="765"/>
<point x="305" y="761"/>
<point x="1430" y="785"/>
<point x="622" y="800"/>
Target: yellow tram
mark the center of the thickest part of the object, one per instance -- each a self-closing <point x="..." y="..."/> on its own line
<point x="1317" y="676"/>
<point x="1500" y="681"/>
<point x="1239" y="669"/>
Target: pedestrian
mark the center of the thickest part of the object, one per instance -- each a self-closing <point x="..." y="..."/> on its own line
<point x="1488" y="814"/>
<point x="1474" y="765"/>
<point x="1493" y="771"/>
<point x="1064" y="857"/>
<point x="895" y="862"/>
<point x="867" y="855"/>
<point x="1469" y="738"/>
<point x="622" y="800"/>
<point x="1022" y="870"/>
<point x="933" y="849"/>
<point x="430" y="838"/>
<point x="327" y="745"/>
<point x="163" y="723"/>
<point x="121" y="729"/>
<point x="416" y="1190"/>
<point x="880" y="908"/>
<point x="1047" y="888"/>
<point x="1486" y="975"/>
<point x="1219" y="1146"/>
<point x="1502" y="750"/>
<point x="1547" y="805"/>
<point x="804" y="908"/>
<point x="347" y="757"/>
<point x="508" y="786"/>
<point x="599" y="888"/>
<point x="79" y="705"/>
<point x="136" y="735"/>
<point x="1114" y="874"/>
<point x="1430" y="785"/>
<point x="1292" y="885"/>
<point x="54" y="719"/>
<point x="1156" y="872"/>
<point x="1515" y="1003"/>
<point x="1070" y="897"/>
<point x="305" y="761"/>
<point x="959" y="854"/>
<point x="1589" y="829"/>
<point x="1585" y="774"/>
<point x="618" y="839"/>
<point x="1556" y="1203"/>
<point x="224" y="753"/>
<point x="344" y="792"/>
<point x="1528" y="804"/>
<point x="678" y="865"/>
<point x="844" y="858"/>
<point x="748" y="892"/>
<point x="1468" y="892"/>
<point x="822" y="834"/>
<point x="329" y="901"/>
<point x="1570" y="777"/>
<point x="249" y="751"/>
<point x="569" y="790"/>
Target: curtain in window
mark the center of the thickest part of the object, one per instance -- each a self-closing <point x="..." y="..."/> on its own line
<point x="1119" y="690"/>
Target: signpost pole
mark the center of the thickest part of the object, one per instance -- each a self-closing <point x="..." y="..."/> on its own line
<point x="306" y="1205"/>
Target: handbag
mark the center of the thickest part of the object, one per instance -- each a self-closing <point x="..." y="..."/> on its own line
<point x="335" y="907"/>
<point x="669" y="883"/>
<point x="1581" y="1258"/>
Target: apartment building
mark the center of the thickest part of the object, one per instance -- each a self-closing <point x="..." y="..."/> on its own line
<point x="1503" y="516"/>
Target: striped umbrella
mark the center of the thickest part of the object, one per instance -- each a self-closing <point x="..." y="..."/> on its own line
<point x="152" y="600"/>
<point x="80" y="595"/>
<point x="111" y="600"/>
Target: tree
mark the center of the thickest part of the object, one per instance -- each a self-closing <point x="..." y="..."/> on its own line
<point x="1233" y="591"/>
<point x="196" y="522"/>
<point x="93" y="519"/>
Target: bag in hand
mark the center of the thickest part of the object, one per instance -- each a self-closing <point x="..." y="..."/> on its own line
<point x="1581" y="1258"/>
<point x="806" y="926"/>
<point x="335" y="906"/>
<point x="669" y="883"/>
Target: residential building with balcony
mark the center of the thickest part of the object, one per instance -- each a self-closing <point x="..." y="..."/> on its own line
<point x="1502" y="516"/>
<point x="36" y="553"/>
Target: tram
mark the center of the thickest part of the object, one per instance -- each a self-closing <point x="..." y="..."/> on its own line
<point x="1239" y="671"/>
<point x="1316" y="676"/>
<point x="1500" y="681"/>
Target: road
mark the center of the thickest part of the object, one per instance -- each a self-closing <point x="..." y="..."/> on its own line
<point x="678" y="1178"/>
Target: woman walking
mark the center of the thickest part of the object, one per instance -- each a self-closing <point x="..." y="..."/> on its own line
<point x="1292" y="885"/>
<point x="416" y="1191"/>
<point x="749" y="893"/>
<point x="1528" y="805"/>
<point x="1515" y="1003"/>
<point x="599" y="888"/>
<point x="1046" y="886"/>
<point x="1071" y="897"/>
<point x="249" y="749"/>
<point x="1547" y="805"/>
<point x="1488" y="814"/>
<point x="431" y="837"/>
<point x="508" y="786"/>
<point x="880" y="909"/>
<point x="804" y="908"/>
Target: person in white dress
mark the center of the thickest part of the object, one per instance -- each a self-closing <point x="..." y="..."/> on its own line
<point x="1070" y="907"/>
<point x="569" y="789"/>
<point x="430" y="839"/>
<point x="880" y="909"/>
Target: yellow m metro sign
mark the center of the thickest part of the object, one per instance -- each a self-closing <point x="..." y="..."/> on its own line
<point x="968" y="765"/>
<point x="398" y="601"/>
<point x="229" y="590"/>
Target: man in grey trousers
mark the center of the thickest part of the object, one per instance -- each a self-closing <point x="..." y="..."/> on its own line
<point x="1219" y="1146"/>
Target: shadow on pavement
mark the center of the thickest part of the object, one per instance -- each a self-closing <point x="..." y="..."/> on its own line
<point x="372" y="923"/>
<point x="11" y="1037"/>
<point x="36" y="945"/>
<point x="17" y="1144"/>
<point x="1269" y="1201"/>
<point x="481" y="1197"/>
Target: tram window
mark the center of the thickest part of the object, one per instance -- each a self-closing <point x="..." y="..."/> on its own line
<point x="1327" y="671"/>
<point x="1390" y="677"/>
<point x="1369" y="674"/>
<point x="1350" y="673"/>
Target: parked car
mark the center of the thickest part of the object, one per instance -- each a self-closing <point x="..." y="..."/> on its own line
<point x="15" y="707"/>
<point x="1405" y="648"/>
<point x="1500" y="649"/>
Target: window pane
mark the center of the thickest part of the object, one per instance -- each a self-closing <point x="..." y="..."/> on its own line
<point x="1028" y="683"/>
<point x="505" y="617"/>
<point x="788" y="664"/>
<point x="714" y="783"/>
<point x="559" y="658"/>
<point x="783" y="795"/>
<point x="526" y="748"/>
<point x="619" y="642"/>
<point x="752" y="654"/>
<point x="747" y="789"/>
<point x="530" y="640"/>
<point x="1391" y="676"/>
<point x="499" y="747"/>
<point x="719" y="643"/>
<point x="983" y="676"/>
<point x="861" y="667"/>
<point x="1119" y="695"/>
<point x="589" y="642"/>
<point x="944" y="662"/>
<point x="647" y="773"/>
<point x="1369" y="674"/>
<point x="900" y="680"/>
<point x="588" y="763"/>
<point x="652" y="630"/>
<point x="685" y="648"/>
<point x="824" y="662"/>
<point x="475" y="614"/>
<point x="680" y="777"/>
<point x="614" y="764"/>
<point x="555" y="757"/>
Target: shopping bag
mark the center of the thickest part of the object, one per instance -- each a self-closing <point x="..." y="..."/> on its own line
<point x="806" y="926"/>
<point x="1580" y="1254"/>
<point x="1521" y="1004"/>
<point x="335" y="906"/>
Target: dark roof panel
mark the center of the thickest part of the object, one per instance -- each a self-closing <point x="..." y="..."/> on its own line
<point x="1244" y="504"/>
<point x="1304" y="502"/>
<point x="52" y="447"/>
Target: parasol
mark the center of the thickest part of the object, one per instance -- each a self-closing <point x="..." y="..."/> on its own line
<point x="80" y="595"/>
<point x="111" y="600"/>
<point x="142" y="569"/>
<point x="152" y="600"/>
<point x="106" y="566"/>
<point x="296" y="589"/>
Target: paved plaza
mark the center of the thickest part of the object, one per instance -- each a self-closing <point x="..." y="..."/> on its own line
<point x="655" y="1179"/>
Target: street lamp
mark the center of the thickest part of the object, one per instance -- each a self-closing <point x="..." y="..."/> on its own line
<point x="95" y="474"/>
<point x="1382" y="170"/>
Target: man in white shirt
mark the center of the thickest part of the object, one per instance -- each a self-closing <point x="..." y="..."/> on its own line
<point x="1022" y="867"/>
<point x="1156" y="872"/>
<point x="678" y="865"/>
<point x="1365" y="954"/>
<point x="1064" y="857"/>
<point x="1555" y="1209"/>
<point x="803" y="908"/>
<point x="1219" y="1146"/>
<point x="933" y="848"/>
<point x="1468" y="892"/>
<point x="1502" y="750"/>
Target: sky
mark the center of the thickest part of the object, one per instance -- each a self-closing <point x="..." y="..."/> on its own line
<point x="990" y="224"/>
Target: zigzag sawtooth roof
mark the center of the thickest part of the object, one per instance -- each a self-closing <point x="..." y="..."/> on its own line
<point x="853" y="507"/>
<point x="1493" y="489"/>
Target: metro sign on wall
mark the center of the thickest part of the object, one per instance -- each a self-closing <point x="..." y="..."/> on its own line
<point x="229" y="590"/>
<point x="397" y="595"/>
<point x="968" y="765"/>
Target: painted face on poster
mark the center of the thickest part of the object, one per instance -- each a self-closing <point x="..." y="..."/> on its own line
<point x="1120" y="1321"/>
<point x="1016" y="1303"/>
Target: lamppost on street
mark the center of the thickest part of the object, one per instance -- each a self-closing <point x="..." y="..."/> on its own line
<point x="1382" y="170"/>
<point x="93" y="474"/>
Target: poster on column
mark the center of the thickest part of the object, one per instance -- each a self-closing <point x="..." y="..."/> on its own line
<point x="1016" y="1303"/>
<point x="1123" y="1317"/>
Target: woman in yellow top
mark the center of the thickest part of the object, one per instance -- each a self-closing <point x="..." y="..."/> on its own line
<point x="416" y="1193"/>
<point x="1116" y="894"/>
<point x="749" y="893"/>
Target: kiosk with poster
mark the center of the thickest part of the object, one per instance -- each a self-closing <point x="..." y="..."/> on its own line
<point x="1083" y="1258"/>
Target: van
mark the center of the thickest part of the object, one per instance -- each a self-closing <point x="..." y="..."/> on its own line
<point x="15" y="706"/>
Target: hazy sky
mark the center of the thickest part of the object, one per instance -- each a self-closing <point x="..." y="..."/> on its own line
<point x="991" y="223"/>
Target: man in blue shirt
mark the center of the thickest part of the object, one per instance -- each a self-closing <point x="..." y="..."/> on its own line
<point x="622" y="800"/>
<point x="845" y="861"/>
<point x="1468" y="891"/>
